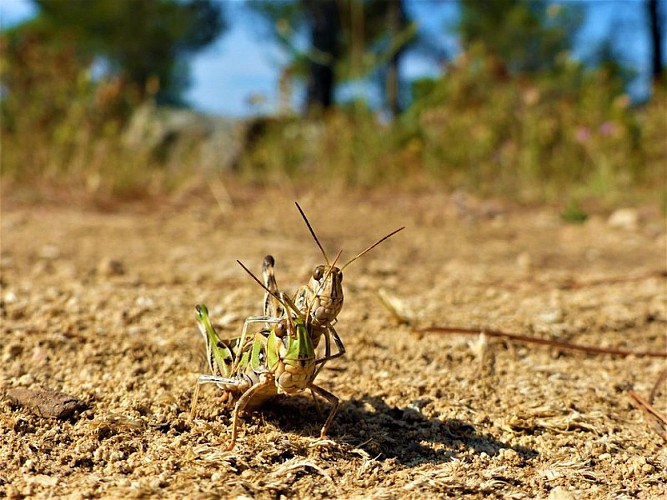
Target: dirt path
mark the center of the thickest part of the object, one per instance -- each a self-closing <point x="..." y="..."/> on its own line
<point x="100" y="306"/>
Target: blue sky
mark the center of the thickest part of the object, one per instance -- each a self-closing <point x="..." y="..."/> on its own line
<point x="240" y="64"/>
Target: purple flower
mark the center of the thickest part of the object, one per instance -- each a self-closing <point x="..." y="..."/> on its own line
<point x="607" y="128"/>
<point x="582" y="134"/>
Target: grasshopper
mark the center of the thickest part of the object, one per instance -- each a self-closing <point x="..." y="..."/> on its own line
<point x="321" y="300"/>
<point x="278" y="359"/>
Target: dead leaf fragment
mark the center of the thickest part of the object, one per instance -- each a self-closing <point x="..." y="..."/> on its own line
<point x="46" y="403"/>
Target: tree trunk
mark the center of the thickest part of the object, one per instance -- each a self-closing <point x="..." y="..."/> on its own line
<point x="324" y="34"/>
<point x="395" y="17"/>
<point x="656" y="39"/>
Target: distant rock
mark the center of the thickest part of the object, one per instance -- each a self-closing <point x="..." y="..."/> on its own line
<point x="174" y="134"/>
<point x="624" y="218"/>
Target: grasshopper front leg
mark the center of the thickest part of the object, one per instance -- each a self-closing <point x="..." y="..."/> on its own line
<point x="327" y="348"/>
<point x="330" y="332"/>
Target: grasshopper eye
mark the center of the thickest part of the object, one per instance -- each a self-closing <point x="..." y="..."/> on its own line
<point x="281" y="329"/>
<point x="340" y="277"/>
<point x="318" y="272"/>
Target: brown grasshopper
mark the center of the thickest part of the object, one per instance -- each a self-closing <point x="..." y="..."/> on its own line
<point x="321" y="299"/>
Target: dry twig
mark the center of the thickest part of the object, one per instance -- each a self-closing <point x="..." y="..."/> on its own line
<point x="569" y="285"/>
<point x="654" y="391"/>
<point x="572" y="284"/>
<point x="536" y="340"/>
<point x="657" y="419"/>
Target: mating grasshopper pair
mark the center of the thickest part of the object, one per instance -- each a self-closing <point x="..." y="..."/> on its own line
<point x="281" y="357"/>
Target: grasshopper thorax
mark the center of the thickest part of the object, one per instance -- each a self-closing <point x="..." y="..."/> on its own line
<point x="297" y="360"/>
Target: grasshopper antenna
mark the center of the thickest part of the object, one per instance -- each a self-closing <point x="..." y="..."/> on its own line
<point x="372" y="247"/>
<point x="310" y="228"/>
<point x="282" y="298"/>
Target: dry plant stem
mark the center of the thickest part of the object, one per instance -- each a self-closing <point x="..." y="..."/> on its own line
<point x="657" y="419"/>
<point x="648" y="406"/>
<point x="654" y="391"/>
<point x="573" y="284"/>
<point x="569" y="285"/>
<point x="536" y="340"/>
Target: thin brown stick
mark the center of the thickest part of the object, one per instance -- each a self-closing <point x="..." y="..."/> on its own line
<point x="654" y="391"/>
<point x="648" y="406"/>
<point x="536" y="340"/>
<point x="572" y="284"/>
<point x="658" y="420"/>
<point x="569" y="285"/>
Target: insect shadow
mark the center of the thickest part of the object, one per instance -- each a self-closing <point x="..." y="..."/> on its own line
<point x="391" y="432"/>
<point x="404" y="434"/>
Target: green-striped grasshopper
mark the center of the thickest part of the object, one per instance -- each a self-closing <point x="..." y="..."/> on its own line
<point x="278" y="359"/>
<point x="321" y="300"/>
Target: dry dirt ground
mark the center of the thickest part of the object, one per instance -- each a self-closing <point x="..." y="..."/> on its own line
<point x="99" y="305"/>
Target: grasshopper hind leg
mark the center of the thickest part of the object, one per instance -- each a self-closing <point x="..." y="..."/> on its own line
<point x="241" y="405"/>
<point x="229" y="385"/>
<point x="333" y="401"/>
<point x="272" y="306"/>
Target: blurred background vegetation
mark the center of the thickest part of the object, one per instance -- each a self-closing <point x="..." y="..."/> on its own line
<point x="92" y="100"/>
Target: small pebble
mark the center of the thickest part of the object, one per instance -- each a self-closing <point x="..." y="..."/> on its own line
<point x="551" y="317"/>
<point x="49" y="252"/>
<point x="624" y="218"/>
<point x="110" y="267"/>
<point x="523" y="262"/>
<point x="560" y="493"/>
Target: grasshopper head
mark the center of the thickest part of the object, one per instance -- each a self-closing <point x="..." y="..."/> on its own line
<point x="327" y="302"/>
<point x="325" y="298"/>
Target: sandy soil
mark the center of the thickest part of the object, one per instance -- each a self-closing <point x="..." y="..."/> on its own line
<point x="99" y="305"/>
